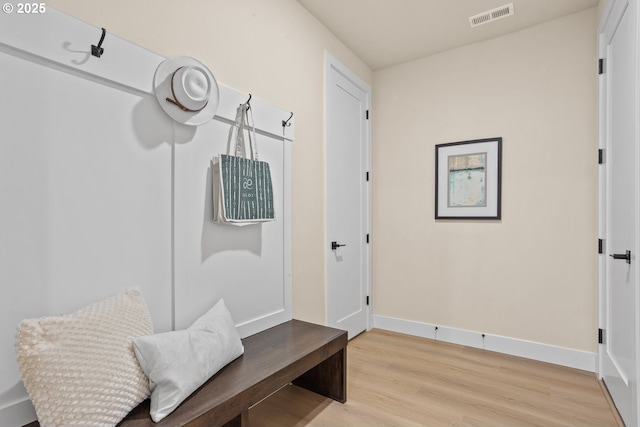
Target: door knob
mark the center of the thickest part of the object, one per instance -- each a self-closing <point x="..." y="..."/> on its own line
<point x="626" y="256"/>
<point x="335" y="245"/>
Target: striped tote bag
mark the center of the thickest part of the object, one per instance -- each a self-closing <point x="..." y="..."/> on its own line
<point x="242" y="187"/>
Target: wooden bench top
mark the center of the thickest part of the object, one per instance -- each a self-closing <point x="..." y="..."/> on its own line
<point x="272" y="359"/>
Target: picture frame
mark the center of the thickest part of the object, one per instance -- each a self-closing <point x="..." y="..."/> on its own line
<point x="469" y="179"/>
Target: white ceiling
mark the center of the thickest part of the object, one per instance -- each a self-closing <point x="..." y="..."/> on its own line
<point x="389" y="32"/>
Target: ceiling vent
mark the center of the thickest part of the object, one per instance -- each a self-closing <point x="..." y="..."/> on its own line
<point x="491" y="15"/>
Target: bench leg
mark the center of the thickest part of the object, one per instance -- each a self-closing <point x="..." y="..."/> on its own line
<point x="329" y="378"/>
<point x="241" y="420"/>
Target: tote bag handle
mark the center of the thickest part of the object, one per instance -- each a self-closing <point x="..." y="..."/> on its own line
<point x="243" y="123"/>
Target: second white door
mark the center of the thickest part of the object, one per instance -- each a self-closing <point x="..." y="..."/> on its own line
<point x="619" y="297"/>
<point x="348" y="198"/>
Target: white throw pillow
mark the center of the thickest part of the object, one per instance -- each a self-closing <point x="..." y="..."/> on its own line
<point x="179" y="362"/>
<point x="79" y="368"/>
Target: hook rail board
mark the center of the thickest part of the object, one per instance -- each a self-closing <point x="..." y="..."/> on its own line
<point x="103" y="192"/>
<point x="57" y="40"/>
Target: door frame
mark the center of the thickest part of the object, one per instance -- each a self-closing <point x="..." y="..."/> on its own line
<point x="612" y="10"/>
<point x="331" y="62"/>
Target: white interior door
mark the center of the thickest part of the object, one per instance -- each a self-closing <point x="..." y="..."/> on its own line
<point x="348" y="201"/>
<point x="619" y="298"/>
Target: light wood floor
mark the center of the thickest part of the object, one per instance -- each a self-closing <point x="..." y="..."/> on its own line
<point x="400" y="380"/>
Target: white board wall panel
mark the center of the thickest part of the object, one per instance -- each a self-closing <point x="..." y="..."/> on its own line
<point x="86" y="203"/>
<point x="100" y="196"/>
<point x="102" y="192"/>
<point x="245" y="265"/>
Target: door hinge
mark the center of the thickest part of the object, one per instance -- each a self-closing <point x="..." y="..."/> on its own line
<point x="367" y="237"/>
<point x="367" y="299"/>
<point x="601" y="336"/>
<point x="367" y="115"/>
<point x="600" y="156"/>
<point x="600" y="246"/>
<point x="601" y="66"/>
<point x="367" y="176"/>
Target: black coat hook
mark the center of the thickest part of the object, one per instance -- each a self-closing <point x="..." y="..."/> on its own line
<point x="286" y="123"/>
<point x="98" y="50"/>
<point x="247" y="103"/>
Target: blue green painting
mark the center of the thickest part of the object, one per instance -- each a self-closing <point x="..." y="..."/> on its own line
<point x="467" y="180"/>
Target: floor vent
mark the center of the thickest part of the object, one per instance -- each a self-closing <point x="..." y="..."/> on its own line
<point x="491" y="15"/>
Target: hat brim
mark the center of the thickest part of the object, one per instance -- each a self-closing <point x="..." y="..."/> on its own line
<point x="162" y="85"/>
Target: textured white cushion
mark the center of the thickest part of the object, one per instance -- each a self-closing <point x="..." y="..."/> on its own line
<point x="79" y="368"/>
<point x="179" y="362"/>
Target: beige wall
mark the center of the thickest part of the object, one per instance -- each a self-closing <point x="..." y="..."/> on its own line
<point x="532" y="275"/>
<point x="275" y="51"/>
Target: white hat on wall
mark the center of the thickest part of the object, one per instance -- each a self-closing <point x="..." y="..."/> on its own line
<point x="186" y="90"/>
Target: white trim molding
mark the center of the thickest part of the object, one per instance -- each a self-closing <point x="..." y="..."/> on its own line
<point x="577" y="359"/>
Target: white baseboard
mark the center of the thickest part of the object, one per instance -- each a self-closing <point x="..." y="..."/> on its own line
<point x="531" y="350"/>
